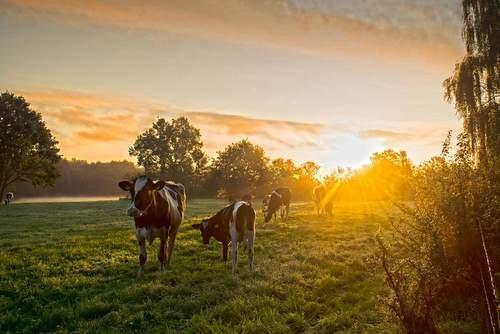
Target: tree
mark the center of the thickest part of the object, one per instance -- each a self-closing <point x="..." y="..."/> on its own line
<point x="240" y="168"/>
<point x="28" y="151"/>
<point x="443" y="253"/>
<point x="474" y="86"/>
<point x="171" y="150"/>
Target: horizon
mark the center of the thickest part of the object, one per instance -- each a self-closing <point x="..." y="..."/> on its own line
<point x="330" y="82"/>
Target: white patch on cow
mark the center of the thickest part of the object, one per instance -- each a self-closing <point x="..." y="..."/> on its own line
<point x="175" y="216"/>
<point x="235" y="209"/>
<point x="140" y="183"/>
<point x="205" y="224"/>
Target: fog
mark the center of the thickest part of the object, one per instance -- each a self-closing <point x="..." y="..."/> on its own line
<point x="63" y="199"/>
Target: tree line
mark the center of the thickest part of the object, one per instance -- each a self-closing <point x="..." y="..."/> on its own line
<point x="173" y="150"/>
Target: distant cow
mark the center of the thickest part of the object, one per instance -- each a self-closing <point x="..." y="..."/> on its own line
<point x="8" y="197"/>
<point x="235" y="223"/>
<point x="322" y="200"/>
<point x="265" y="204"/>
<point x="158" y="211"/>
<point x="278" y="200"/>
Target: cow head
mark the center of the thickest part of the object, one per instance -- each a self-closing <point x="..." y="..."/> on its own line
<point x="207" y="229"/>
<point x="141" y="194"/>
<point x="275" y="201"/>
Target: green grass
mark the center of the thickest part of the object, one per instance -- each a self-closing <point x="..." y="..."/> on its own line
<point x="72" y="268"/>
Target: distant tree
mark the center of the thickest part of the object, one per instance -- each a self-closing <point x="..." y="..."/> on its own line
<point x="240" y="168"/>
<point x="171" y="150"/>
<point x="28" y="151"/>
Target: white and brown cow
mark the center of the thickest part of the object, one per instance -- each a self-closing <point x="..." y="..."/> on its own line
<point x="8" y="197"/>
<point x="278" y="200"/>
<point x="235" y="223"/>
<point x="158" y="211"/>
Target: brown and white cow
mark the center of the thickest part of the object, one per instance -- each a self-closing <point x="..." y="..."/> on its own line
<point x="279" y="199"/>
<point x="235" y="223"/>
<point x="158" y="211"/>
<point x="8" y="197"/>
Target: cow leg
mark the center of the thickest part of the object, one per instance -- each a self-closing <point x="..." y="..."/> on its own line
<point x="142" y="257"/>
<point x="162" y="256"/>
<point x="225" y="248"/>
<point x="250" y="239"/>
<point x="171" y="242"/>
<point x="234" y="248"/>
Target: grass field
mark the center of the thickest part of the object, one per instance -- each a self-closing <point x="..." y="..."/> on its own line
<point x="71" y="267"/>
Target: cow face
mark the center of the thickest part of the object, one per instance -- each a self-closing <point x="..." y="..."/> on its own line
<point x="141" y="194"/>
<point x="207" y="230"/>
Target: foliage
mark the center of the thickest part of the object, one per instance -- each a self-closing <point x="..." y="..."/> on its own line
<point x="474" y="86"/>
<point x="448" y="247"/>
<point x="312" y="275"/>
<point x="240" y="168"/>
<point x="435" y="253"/>
<point x="388" y="177"/>
<point x="28" y="151"/>
<point x="171" y="151"/>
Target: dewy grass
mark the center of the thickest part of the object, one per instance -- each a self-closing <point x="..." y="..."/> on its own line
<point x="72" y="268"/>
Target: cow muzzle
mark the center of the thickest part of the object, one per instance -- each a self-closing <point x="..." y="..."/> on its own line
<point x="133" y="212"/>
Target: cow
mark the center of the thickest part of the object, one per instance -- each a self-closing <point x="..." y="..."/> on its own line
<point x="158" y="210"/>
<point x="265" y="204"/>
<point x="323" y="204"/>
<point x="8" y="197"/>
<point x="318" y="195"/>
<point x="279" y="199"/>
<point x="234" y="223"/>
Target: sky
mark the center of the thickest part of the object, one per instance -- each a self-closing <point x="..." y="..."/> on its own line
<point x="330" y="81"/>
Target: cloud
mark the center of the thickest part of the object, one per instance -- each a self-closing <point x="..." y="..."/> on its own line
<point x="420" y="142"/>
<point x="95" y="127"/>
<point x="384" y="29"/>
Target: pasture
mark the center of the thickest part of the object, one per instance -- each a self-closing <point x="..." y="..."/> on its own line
<point x="71" y="267"/>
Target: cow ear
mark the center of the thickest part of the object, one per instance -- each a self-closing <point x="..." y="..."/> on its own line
<point x="159" y="185"/>
<point x="125" y="185"/>
<point x="196" y="226"/>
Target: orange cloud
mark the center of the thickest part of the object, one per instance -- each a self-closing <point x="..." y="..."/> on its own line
<point x="96" y="127"/>
<point x="279" y="23"/>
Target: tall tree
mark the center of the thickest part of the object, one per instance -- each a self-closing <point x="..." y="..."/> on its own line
<point x="240" y="168"/>
<point x="171" y="150"/>
<point x="474" y="86"/>
<point x="28" y="151"/>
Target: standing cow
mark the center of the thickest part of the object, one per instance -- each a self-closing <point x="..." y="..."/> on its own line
<point x="158" y="211"/>
<point x="8" y="197"/>
<point x="235" y="223"/>
<point x="279" y="199"/>
<point x="322" y="200"/>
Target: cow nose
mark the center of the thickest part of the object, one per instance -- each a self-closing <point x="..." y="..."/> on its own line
<point x="132" y="212"/>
